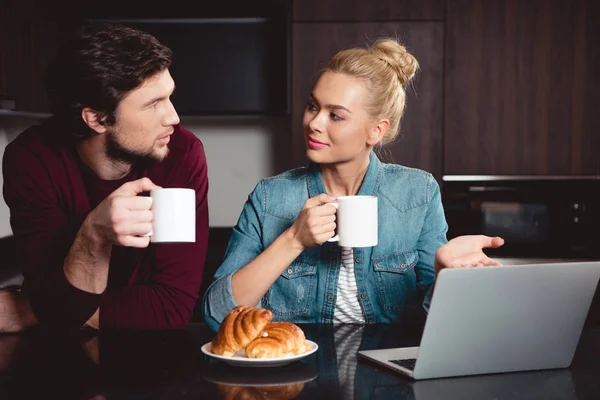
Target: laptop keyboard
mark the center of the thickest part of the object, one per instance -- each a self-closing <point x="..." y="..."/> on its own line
<point x="408" y="363"/>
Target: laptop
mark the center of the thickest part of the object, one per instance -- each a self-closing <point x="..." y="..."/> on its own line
<point x="499" y="319"/>
<point x="547" y="384"/>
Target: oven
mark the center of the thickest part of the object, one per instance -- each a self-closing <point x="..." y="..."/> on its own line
<point x="540" y="217"/>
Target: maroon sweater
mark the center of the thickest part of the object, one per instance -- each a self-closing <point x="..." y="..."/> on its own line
<point x="50" y="192"/>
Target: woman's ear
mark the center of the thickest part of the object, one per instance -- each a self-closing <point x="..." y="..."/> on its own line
<point x="93" y="119"/>
<point x="378" y="132"/>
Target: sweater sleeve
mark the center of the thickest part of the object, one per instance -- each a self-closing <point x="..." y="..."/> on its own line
<point x="166" y="296"/>
<point x="44" y="234"/>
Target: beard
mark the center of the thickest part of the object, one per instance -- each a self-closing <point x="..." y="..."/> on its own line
<point x="118" y="152"/>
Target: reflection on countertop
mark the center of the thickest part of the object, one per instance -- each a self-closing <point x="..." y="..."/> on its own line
<point x="170" y="365"/>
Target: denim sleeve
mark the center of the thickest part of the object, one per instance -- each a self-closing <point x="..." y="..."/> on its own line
<point x="432" y="237"/>
<point x="244" y="246"/>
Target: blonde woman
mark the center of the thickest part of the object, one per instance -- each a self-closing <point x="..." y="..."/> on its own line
<point x="278" y="255"/>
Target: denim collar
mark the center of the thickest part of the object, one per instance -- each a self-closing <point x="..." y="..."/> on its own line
<point x="368" y="186"/>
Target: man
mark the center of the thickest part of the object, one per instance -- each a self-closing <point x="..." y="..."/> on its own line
<point x="73" y="186"/>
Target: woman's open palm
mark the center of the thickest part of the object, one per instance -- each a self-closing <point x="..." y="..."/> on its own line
<point x="466" y="252"/>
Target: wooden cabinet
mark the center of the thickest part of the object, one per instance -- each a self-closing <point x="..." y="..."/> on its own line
<point x="359" y="10"/>
<point x="420" y="141"/>
<point x="522" y="87"/>
<point x="30" y="33"/>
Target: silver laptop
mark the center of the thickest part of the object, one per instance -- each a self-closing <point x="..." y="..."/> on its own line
<point x="499" y="319"/>
<point x="547" y="384"/>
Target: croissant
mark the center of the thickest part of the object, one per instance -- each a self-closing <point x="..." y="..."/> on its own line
<point x="283" y="392"/>
<point x="240" y="327"/>
<point x="278" y="339"/>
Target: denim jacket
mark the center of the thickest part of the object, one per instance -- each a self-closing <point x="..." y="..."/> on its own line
<point x="394" y="278"/>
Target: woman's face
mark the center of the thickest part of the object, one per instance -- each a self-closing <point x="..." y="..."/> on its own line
<point x="336" y="125"/>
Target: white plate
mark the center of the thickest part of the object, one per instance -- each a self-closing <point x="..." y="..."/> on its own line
<point x="240" y="359"/>
<point x="224" y="374"/>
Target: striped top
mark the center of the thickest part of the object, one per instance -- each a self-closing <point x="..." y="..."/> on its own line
<point x="347" y="307"/>
<point x="347" y="339"/>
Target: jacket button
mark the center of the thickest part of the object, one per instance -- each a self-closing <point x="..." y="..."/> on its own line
<point x="330" y="298"/>
<point x="289" y="270"/>
<point x="364" y="295"/>
<point x="403" y="265"/>
<point x="357" y="259"/>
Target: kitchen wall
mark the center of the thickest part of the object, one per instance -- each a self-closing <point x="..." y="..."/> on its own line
<point x="9" y="129"/>
<point x="239" y="151"/>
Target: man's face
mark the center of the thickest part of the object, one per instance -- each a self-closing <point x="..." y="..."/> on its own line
<point x="145" y="119"/>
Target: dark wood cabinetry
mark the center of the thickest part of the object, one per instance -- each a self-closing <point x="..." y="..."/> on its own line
<point x="506" y="86"/>
<point x="359" y="10"/>
<point x="420" y="140"/>
<point x="522" y="87"/>
<point x="30" y="33"/>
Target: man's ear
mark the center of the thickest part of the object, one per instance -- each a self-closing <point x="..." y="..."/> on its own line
<point x="93" y="119"/>
<point x="377" y="132"/>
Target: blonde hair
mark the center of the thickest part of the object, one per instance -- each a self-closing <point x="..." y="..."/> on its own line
<point x="387" y="67"/>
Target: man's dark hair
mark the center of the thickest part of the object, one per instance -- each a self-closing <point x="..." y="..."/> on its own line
<point x="97" y="69"/>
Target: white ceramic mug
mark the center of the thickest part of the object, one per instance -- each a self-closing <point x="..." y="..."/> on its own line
<point x="174" y="215"/>
<point x="356" y="220"/>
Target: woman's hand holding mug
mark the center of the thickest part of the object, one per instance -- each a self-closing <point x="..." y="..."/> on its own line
<point x="315" y="223"/>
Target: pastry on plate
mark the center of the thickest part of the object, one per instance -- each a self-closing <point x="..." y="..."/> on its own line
<point x="278" y="339"/>
<point x="239" y="328"/>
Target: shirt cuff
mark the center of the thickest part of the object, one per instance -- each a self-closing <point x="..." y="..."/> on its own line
<point x="220" y="301"/>
<point x="61" y="305"/>
<point x="427" y="299"/>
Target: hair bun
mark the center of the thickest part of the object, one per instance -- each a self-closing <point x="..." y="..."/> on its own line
<point x="403" y="63"/>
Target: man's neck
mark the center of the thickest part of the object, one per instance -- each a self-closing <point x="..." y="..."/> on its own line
<point x="92" y="152"/>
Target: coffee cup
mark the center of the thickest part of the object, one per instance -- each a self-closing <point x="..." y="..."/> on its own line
<point x="356" y="221"/>
<point x="173" y="215"/>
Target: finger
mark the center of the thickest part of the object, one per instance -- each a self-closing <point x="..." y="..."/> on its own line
<point x="133" y="203"/>
<point x="497" y="242"/>
<point x="136" y="229"/>
<point x="138" y="186"/>
<point x="315" y="215"/>
<point x="318" y="200"/>
<point x="463" y="265"/>
<point x="136" y="216"/>
<point x="326" y="219"/>
<point x="135" y="241"/>
<point x="325" y="210"/>
<point x="323" y="237"/>
<point x="120" y="218"/>
<point x="467" y="261"/>
<point x="490" y="242"/>
<point x="330" y="227"/>
<point x="491" y="263"/>
<point x="485" y="262"/>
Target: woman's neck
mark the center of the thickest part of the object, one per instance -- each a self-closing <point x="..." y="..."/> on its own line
<point x="344" y="179"/>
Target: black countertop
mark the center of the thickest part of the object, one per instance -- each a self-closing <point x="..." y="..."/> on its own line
<point x="170" y="365"/>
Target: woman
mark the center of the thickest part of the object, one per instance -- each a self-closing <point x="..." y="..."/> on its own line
<point x="278" y="255"/>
